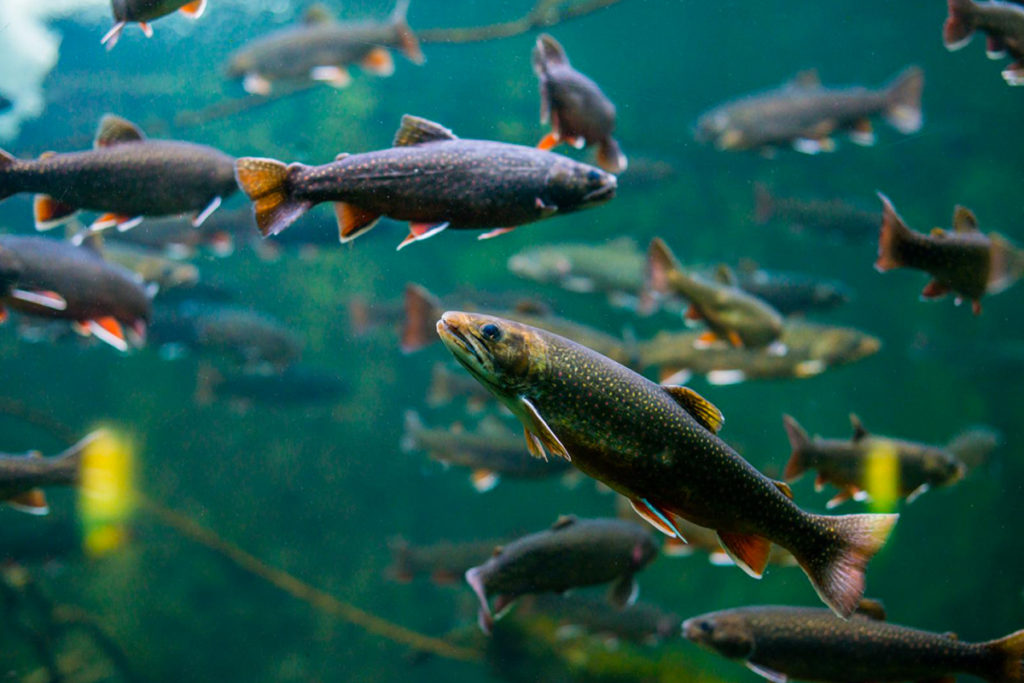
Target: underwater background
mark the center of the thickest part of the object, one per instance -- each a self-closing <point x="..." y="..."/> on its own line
<point x="317" y="490"/>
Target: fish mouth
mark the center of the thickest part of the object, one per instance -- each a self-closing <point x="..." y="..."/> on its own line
<point x="601" y="194"/>
<point x="458" y="342"/>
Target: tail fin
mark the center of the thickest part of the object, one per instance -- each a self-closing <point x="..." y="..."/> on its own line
<point x="798" y="441"/>
<point x="890" y="238"/>
<point x="422" y="310"/>
<point x="408" y="43"/>
<point x="837" y="563"/>
<point x="265" y="181"/>
<point x="959" y="27"/>
<point x="661" y="263"/>
<point x="973" y="446"/>
<point x="764" y="204"/>
<point x="1011" y="655"/>
<point x="904" y="94"/>
<point x="547" y="51"/>
<point x="610" y="156"/>
<point x="6" y="164"/>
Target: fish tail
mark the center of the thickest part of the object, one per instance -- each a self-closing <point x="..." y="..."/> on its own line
<point x="548" y="51"/>
<point x="798" y="441"/>
<point x="959" y="26"/>
<point x="610" y="156"/>
<point x="1010" y="658"/>
<point x="7" y="187"/>
<point x="837" y="562"/>
<point x="893" y="234"/>
<point x="904" y="94"/>
<point x="265" y="181"/>
<point x="474" y="577"/>
<point x="401" y="567"/>
<point x="422" y="310"/>
<point x="764" y="204"/>
<point x="408" y="43"/>
<point x="661" y="265"/>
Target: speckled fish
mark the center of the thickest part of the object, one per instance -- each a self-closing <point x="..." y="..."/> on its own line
<point x="788" y="292"/>
<point x="579" y="112"/>
<point x="23" y="477"/>
<point x="730" y="313"/>
<point x="657" y="445"/>
<point x="54" y="279"/>
<point x="430" y="178"/>
<point x="126" y="176"/>
<point x="811" y="349"/>
<point x="323" y="49"/>
<point x="142" y="12"/>
<point x="491" y="451"/>
<point x="783" y="643"/>
<point x="835" y="218"/>
<point x="573" y="553"/>
<point x="641" y="623"/>
<point x="963" y="262"/>
<point x="845" y="463"/>
<point x="445" y="562"/>
<point x="422" y="309"/>
<point x="1003" y="26"/>
<point x="805" y="115"/>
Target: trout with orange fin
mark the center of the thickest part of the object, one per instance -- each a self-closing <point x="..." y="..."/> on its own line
<point x="23" y="477"/>
<point x="1003" y="26"/>
<point x="964" y="262"/>
<point x="731" y="313"/>
<point x="142" y="12"/>
<point x="322" y="49"/>
<point x="580" y="114"/>
<point x="658" y="446"/>
<point x="430" y="178"/>
<point x="125" y="176"/>
<point x="844" y="464"/>
<point x="52" y="279"/>
<point x="782" y="643"/>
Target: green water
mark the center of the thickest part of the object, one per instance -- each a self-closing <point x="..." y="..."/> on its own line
<point x="317" y="490"/>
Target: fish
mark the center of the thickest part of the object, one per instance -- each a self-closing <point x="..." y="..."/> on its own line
<point x="782" y="643"/>
<point x="838" y="219"/>
<point x="447" y="384"/>
<point x="804" y="114"/>
<point x="573" y="553"/>
<point x="845" y="464"/>
<point x="54" y="279"/>
<point x="1003" y="26"/>
<point x="658" y="446"/>
<point x="125" y="176"/>
<point x="322" y="49"/>
<point x="445" y="562"/>
<point x="23" y="477"/>
<point x="142" y="12"/>
<point x="641" y="623"/>
<point x="178" y="238"/>
<point x="811" y="349"/>
<point x="491" y="452"/>
<point x="422" y="310"/>
<point x="730" y="313"/>
<point x="430" y="178"/>
<point x="964" y="261"/>
<point x="151" y="266"/>
<point x="579" y="112"/>
<point x="974" y="445"/>
<point x="297" y="385"/>
<point x="788" y="292"/>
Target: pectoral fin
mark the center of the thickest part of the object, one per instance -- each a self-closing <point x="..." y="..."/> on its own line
<point x="656" y="517"/>
<point x="773" y="676"/>
<point x="33" y="502"/>
<point x="50" y="300"/>
<point x="50" y="213"/>
<point x="334" y="76"/>
<point x="421" y="231"/>
<point x="539" y="429"/>
<point x="698" y="407"/>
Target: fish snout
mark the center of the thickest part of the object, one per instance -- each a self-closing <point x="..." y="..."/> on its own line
<point x="605" y="190"/>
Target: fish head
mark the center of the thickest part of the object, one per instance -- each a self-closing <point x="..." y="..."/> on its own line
<point x="541" y="264"/>
<point x="723" y="632"/>
<point x="501" y="354"/>
<point x="719" y="127"/>
<point x="942" y="468"/>
<point x="120" y="9"/>
<point x="572" y="186"/>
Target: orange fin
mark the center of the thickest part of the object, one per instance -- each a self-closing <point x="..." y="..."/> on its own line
<point x="265" y="182"/>
<point x="706" y="339"/>
<point x="421" y="231"/>
<point x="33" y="502"/>
<point x="735" y="339"/>
<point x="748" y="551"/>
<point x="798" y="442"/>
<point x="659" y="518"/>
<point x="378" y="62"/>
<point x="693" y="314"/>
<point x="494" y="233"/>
<point x="353" y="221"/>
<point x="701" y="409"/>
<point x="110" y="220"/>
<point x="51" y="300"/>
<point x="4" y="315"/>
<point x="334" y="76"/>
<point x="194" y="10"/>
<point x="890" y="238"/>
<point x="109" y="330"/>
<point x="976" y="306"/>
<point x="935" y="290"/>
<point x="549" y="141"/>
<point x="484" y="480"/>
<point x="50" y="213"/>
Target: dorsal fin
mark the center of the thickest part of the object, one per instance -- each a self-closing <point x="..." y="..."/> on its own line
<point x="700" y="408"/>
<point x="872" y="609"/>
<point x="563" y="521"/>
<point x="47" y="155"/>
<point x="114" y="130"/>
<point x="415" y="131"/>
<point x="858" y="428"/>
<point x="317" y="13"/>
<point x="806" y="79"/>
<point x="784" y="487"/>
<point x="951" y="635"/>
<point x="724" y="275"/>
<point x="964" y="220"/>
<point x="498" y="550"/>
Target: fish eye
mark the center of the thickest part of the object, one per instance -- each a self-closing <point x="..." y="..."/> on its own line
<point x="705" y="626"/>
<point x="594" y="176"/>
<point x="491" y="332"/>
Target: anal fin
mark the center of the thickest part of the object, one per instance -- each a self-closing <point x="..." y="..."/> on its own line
<point x="194" y="10"/>
<point x="32" y="501"/>
<point x="656" y="517"/>
<point x="748" y="551"/>
<point x="353" y="220"/>
<point x="421" y="231"/>
<point x="51" y="213"/>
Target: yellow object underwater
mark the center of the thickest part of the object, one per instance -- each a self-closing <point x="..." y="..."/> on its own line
<point x="106" y="497"/>
<point x="882" y="477"/>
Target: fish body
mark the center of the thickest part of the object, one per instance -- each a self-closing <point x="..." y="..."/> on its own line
<point x="322" y="49"/>
<point x="144" y="11"/>
<point x="845" y="463"/>
<point x="297" y="385"/>
<point x="579" y="112"/>
<point x="730" y="313"/>
<point x="571" y="554"/>
<point x="835" y="218"/>
<point x="1003" y="26"/>
<point x="658" y="446"/>
<point x="126" y="177"/>
<point x="54" y="279"/>
<point x="642" y="623"/>
<point x="178" y="237"/>
<point x="22" y="477"/>
<point x="443" y="563"/>
<point x="782" y="643"/>
<point x="804" y="114"/>
<point x="789" y="292"/>
<point x="430" y="178"/>
<point x="614" y="268"/>
<point x="964" y="261"/>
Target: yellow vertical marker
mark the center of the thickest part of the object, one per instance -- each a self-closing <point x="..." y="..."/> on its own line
<point x="106" y="497"/>
<point x="882" y="476"/>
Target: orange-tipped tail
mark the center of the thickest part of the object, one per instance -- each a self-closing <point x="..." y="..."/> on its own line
<point x="959" y="26"/>
<point x="408" y="43"/>
<point x="422" y="310"/>
<point x="798" y="441"/>
<point x="904" y="110"/>
<point x="892" y="235"/>
<point x="265" y="181"/>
